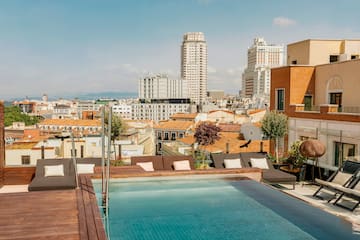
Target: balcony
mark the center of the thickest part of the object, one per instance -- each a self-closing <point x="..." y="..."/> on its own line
<point x="325" y="111"/>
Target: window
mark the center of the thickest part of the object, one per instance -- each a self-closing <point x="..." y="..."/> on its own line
<point x="280" y="99"/>
<point x="166" y="136"/>
<point x="344" y="151"/>
<point x="294" y="62"/>
<point x="308" y="102"/>
<point x="25" y="159"/>
<point x="334" y="58"/>
<point x="354" y="57"/>
<point x="336" y="98"/>
<point x="159" y="135"/>
<point x="173" y="136"/>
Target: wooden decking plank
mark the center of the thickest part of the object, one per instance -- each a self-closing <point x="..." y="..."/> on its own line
<point x="90" y="223"/>
<point x="94" y="206"/>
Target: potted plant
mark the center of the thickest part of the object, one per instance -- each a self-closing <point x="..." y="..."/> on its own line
<point x="296" y="159"/>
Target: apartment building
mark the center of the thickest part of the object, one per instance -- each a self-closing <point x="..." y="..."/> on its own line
<point x="123" y="110"/>
<point x="170" y="131"/>
<point x="159" y="110"/>
<point x="322" y="103"/>
<point x="160" y="86"/>
<point x="261" y="58"/>
<point x="194" y="65"/>
<point x="80" y="127"/>
<point x="315" y="52"/>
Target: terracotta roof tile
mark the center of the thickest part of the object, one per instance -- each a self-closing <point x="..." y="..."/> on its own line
<point x="70" y="122"/>
<point x="175" y="125"/>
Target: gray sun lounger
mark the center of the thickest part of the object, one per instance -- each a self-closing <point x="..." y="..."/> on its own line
<point x="40" y="182"/>
<point x="340" y="179"/>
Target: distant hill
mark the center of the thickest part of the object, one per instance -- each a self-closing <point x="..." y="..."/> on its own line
<point x="82" y="96"/>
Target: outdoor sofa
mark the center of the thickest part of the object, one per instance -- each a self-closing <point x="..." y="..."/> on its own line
<point x="269" y="173"/>
<point x="164" y="163"/>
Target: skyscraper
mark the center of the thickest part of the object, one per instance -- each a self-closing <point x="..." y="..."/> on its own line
<point x="261" y="58"/>
<point x="194" y="65"/>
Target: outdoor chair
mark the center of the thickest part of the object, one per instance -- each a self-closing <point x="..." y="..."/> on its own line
<point x="341" y="178"/>
<point x="352" y="192"/>
<point x="53" y="174"/>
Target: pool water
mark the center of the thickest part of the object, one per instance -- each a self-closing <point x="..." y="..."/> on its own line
<point x="214" y="209"/>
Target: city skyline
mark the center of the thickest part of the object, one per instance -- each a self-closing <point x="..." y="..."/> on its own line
<point x="69" y="47"/>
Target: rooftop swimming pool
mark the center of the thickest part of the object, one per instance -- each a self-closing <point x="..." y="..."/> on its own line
<point x="213" y="208"/>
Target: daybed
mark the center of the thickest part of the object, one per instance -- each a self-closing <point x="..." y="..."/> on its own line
<point x="260" y="160"/>
<point x="53" y="174"/>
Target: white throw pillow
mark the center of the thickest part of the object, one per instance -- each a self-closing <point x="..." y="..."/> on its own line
<point x="259" y="163"/>
<point x="232" y="163"/>
<point x="182" y="165"/>
<point x="83" y="168"/>
<point x="54" y="170"/>
<point x="147" y="166"/>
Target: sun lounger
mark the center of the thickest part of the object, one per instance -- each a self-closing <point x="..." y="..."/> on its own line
<point x="352" y="192"/>
<point x="341" y="178"/>
<point x="53" y="174"/>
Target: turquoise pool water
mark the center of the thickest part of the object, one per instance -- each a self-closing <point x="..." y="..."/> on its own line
<point x="214" y="209"/>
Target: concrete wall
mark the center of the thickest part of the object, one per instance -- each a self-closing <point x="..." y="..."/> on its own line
<point x="343" y="77"/>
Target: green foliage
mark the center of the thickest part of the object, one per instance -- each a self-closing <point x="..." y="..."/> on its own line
<point x="274" y="124"/>
<point x="295" y="156"/>
<point x="117" y="125"/>
<point x="14" y="114"/>
<point x="206" y="134"/>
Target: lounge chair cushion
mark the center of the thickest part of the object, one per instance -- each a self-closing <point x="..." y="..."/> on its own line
<point x="277" y="176"/>
<point x="85" y="168"/>
<point x="341" y="178"/>
<point x="147" y="166"/>
<point x="181" y="165"/>
<point x="259" y="163"/>
<point x="54" y="171"/>
<point x="232" y="163"/>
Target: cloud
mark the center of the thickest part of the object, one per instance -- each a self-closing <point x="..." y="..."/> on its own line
<point x="283" y="22"/>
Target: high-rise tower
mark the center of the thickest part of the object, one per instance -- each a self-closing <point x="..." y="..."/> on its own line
<point x="194" y="65"/>
<point x="261" y="58"/>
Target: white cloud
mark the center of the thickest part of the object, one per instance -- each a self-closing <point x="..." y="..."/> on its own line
<point x="283" y="22"/>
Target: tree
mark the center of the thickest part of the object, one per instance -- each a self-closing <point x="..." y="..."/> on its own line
<point x="206" y="134"/>
<point x="117" y="127"/>
<point x="275" y="126"/>
<point x="14" y="114"/>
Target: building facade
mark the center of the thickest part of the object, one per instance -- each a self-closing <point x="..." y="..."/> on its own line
<point x="194" y="65"/>
<point x="160" y="86"/>
<point x="159" y="110"/>
<point x="261" y="58"/>
<point x="322" y="102"/>
<point x="315" y="52"/>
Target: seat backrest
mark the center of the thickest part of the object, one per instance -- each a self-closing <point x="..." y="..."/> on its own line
<point x="218" y="159"/>
<point x="69" y="169"/>
<point x="156" y="160"/>
<point x="351" y="166"/>
<point x="96" y="161"/>
<point x="342" y="178"/>
<point x="169" y="160"/>
<point x="246" y="156"/>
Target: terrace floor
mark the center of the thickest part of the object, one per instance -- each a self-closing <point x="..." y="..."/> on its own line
<point x="57" y="214"/>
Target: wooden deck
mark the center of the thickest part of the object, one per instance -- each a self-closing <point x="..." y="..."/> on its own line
<point x="65" y="214"/>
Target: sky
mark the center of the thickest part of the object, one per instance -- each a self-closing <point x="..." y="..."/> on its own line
<point x="69" y="47"/>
